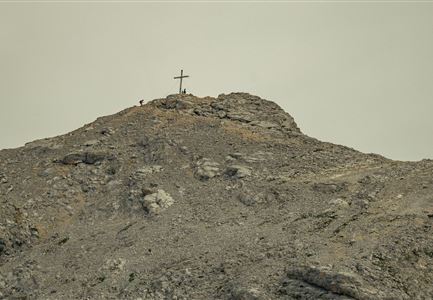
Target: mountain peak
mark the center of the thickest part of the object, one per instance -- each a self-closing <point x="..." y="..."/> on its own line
<point x="241" y="107"/>
<point x="210" y="198"/>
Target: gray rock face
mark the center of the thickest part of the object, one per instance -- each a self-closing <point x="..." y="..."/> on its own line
<point x="240" y="107"/>
<point x="83" y="157"/>
<point x="211" y="198"/>
<point x="327" y="284"/>
<point x="45" y="144"/>
<point x="265" y="124"/>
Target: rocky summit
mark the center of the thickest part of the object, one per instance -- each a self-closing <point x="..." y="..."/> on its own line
<point x="211" y="198"/>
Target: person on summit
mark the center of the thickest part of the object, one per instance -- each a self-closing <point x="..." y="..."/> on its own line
<point x="141" y="102"/>
<point x="184" y="91"/>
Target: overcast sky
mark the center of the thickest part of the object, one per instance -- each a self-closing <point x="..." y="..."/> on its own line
<point x="357" y="74"/>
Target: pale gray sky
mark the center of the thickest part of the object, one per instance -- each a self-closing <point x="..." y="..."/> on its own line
<point x="358" y="74"/>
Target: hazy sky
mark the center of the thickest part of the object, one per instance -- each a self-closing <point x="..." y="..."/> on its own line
<point x="358" y="74"/>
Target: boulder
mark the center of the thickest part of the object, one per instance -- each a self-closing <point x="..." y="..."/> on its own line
<point x="336" y="284"/>
<point x="2" y="246"/>
<point x="207" y="169"/>
<point x="107" y="131"/>
<point x="176" y="101"/>
<point x="238" y="171"/>
<point x="156" y="202"/>
<point x="329" y="188"/>
<point x="247" y="293"/>
<point x="339" y="202"/>
<point x="73" y="158"/>
<point x="90" y="143"/>
<point x="149" y="170"/>
<point x="240" y="116"/>
<point x="184" y="104"/>
<point x="114" y="265"/>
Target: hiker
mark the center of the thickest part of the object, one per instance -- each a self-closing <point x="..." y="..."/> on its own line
<point x="141" y="102"/>
<point x="184" y="91"/>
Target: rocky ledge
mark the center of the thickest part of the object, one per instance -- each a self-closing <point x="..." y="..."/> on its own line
<point x="240" y="107"/>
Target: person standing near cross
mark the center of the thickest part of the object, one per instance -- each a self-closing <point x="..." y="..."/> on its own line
<point x="181" y="77"/>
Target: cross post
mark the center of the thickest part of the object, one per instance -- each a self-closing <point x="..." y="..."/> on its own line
<point x="181" y="77"/>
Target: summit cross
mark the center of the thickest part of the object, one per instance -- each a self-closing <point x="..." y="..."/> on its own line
<point x="181" y="77"/>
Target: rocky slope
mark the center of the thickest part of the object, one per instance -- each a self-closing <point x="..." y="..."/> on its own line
<point x="211" y="198"/>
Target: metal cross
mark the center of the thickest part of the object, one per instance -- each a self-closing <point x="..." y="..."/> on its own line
<point x="181" y="77"/>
